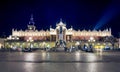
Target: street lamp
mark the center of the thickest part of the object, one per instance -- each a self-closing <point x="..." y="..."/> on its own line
<point x="91" y="39"/>
<point x="30" y="39"/>
<point x="77" y="44"/>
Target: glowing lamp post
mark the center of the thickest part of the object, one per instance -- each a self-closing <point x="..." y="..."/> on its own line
<point x="91" y="39"/>
<point x="30" y="40"/>
<point x="77" y="44"/>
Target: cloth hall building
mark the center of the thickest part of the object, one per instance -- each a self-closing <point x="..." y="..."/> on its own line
<point x="67" y="34"/>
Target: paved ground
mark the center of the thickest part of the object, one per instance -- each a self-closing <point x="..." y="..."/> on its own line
<point x="41" y="61"/>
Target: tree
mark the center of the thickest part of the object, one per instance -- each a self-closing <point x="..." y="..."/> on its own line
<point x="110" y="39"/>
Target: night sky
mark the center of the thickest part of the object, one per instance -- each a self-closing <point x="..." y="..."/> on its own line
<point x="81" y="14"/>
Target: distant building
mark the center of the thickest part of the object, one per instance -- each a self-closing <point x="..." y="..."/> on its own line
<point x="2" y="42"/>
<point x="59" y="33"/>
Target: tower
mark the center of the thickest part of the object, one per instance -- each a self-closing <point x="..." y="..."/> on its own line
<point x="31" y="25"/>
<point x="61" y="31"/>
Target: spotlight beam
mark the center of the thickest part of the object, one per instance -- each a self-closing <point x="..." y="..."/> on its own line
<point x="110" y="12"/>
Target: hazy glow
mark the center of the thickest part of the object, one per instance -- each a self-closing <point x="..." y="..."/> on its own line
<point x="44" y="55"/>
<point x="91" y="57"/>
<point x="92" y="67"/>
<point x="77" y="56"/>
<point x="30" y="57"/>
<point x="28" y="67"/>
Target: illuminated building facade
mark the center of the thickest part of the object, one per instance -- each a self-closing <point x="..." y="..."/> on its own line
<point x="59" y="33"/>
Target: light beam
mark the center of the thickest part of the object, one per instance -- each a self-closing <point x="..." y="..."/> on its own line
<point x="111" y="12"/>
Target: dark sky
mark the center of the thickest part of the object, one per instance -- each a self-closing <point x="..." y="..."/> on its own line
<point x="81" y="14"/>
